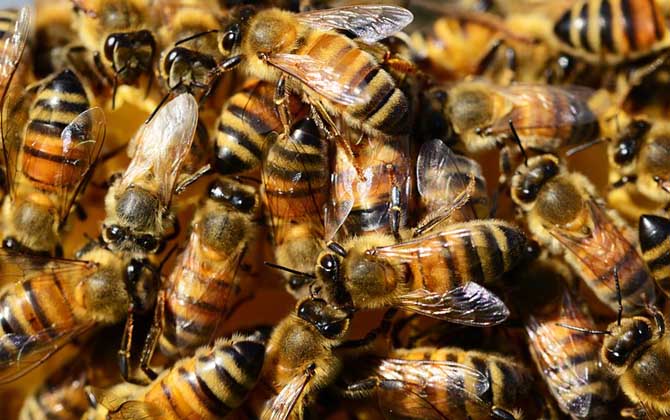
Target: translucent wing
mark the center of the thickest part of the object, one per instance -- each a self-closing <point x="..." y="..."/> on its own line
<point x="320" y="77"/>
<point x="442" y="175"/>
<point x="82" y="141"/>
<point x="282" y="405"/>
<point x="470" y="304"/>
<point x="603" y="249"/>
<point x="552" y="347"/>
<point x="341" y="199"/>
<point x="12" y="45"/>
<point x="21" y="353"/>
<point x="137" y="410"/>
<point x="161" y="145"/>
<point x="17" y="267"/>
<point x="544" y="102"/>
<point x="367" y="22"/>
<point x="426" y="389"/>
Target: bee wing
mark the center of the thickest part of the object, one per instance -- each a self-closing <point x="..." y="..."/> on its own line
<point x="137" y="410"/>
<point x="369" y="23"/>
<point x="600" y="251"/>
<point x="341" y="199"/>
<point x="16" y="267"/>
<point x="12" y="45"/>
<point x="441" y="175"/>
<point x="470" y="304"/>
<point x="566" y="376"/>
<point x="283" y="404"/>
<point x="82" y="141"/>
<point x="320" y="77"/>
<point x="542" y="97"/>
<point x="426" y="387"/>
<point x="161" y="146"/>
<point x="22" y="353"/>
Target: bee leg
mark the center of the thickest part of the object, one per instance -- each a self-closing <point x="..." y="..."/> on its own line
<point x="501" y="413"/>
<point x="80" y="211"/>
<point x="190" y="179"/>
<point x="152" y="340"/>
<point x="360" y="389"/>
<point x="395" y="205"/>
<point x="623" y="181"/>
<point x="124" y="352"/>
<point x="281" y="100"/>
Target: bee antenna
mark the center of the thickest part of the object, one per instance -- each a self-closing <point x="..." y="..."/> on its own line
<point x="584" y="330"/>
<point x="289" y="270"/>
<point x="115" y="85"/>
<point x="337" y="248"/>
<point x="618" y="295"/>
<point x="248" y="178"/>
<point x="160" y="104"/>
<point x="198" y="35"/>
<point x="587" y="145"/>
<point x="517" y="140"/>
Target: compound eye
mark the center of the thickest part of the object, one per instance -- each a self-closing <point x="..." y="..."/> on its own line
<point x="147" y="242"/>
<point x="242" y="202"/>
<point x="332" y="329"/>
<point x="10" y="243"/>
<point x="642" y="332"/>
<point x="113" y="233"/>
<point x="230" y="38"/>
<point x="527" y="193"/>
<point x="328" y="262"/>
<point x="171" y="58"/>
<point x="110" y="44"/>
<point x="624" y="153"/>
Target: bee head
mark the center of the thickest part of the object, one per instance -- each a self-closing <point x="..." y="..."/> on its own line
<point x="332" y="323"/>
<point x="625" y="341"/>
<point x="529" y="180"/>
<point x="627" y="145"/>
<point x="130" y="54"/>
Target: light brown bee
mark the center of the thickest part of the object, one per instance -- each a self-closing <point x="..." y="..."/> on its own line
<point x="245" y="125"/>
<point x="295" y="188"/>
<point x="563" y="214"/>
<point x="137" y="204"/>
<point x="448" y="382"/>
<point x="300" y="360"/>
<point x="200" y="287"/>
<point x="51" y="143"/>
<point x="53" y="301"/>
<point x="208" y="385"/>
<point x="546" y="118"/>
<point x="118" y="34"/>
<point x="331" y="71"/>
<point x="568" y="361"/>
<point x="15" y="29"/>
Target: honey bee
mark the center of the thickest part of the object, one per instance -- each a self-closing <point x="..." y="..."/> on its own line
<point x="442" y="175"/>
<point x="197" y="292"/>
<point x="546" y="118"/>
<point x="434" y="274"/>
<point x="295" y="188"/>
<point x="332" y="72"/>
<point x="568" y="361"/>
<point x="138" y="202"/>
<point x="654" y="233"/>
<point x="208" y="385"/>
<point x="376" y="202"/>
<point x="52" y="142"/>
<point x="639" y="156"/>
<point x="15" y="29"/>
<point x="448" y="382"/>
<point x="247" y="119"/>
<point x="300" y="360"/>
<point x="53" y="301"/>
<point x="53" y="35"/>
<point x="564" y="214"/>
<point x="117" y="34"/>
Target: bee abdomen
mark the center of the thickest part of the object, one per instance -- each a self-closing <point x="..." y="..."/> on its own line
<point x="215" y="381"/>
<point x="614" y="27"/>
<point x="655" y="245"/>
<point x="7" y="20"/>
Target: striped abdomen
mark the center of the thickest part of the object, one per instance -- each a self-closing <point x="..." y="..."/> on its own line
<point x="210" y="384"/>
<point x="246" y="120"/>
<point x="387" y="110"/>
<point x="296" y="176"/>
<point x="479" y="251"/>
<point x="7" y="21"/>
<point x="612" y="29"/>
<point x="45" y="160"/>
<point x="61" y="398"/>
<point x="30" y="308"/>
<point x="655" y="245"/>
<point x="509" y="383"/>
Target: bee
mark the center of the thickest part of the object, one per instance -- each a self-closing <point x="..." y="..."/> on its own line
<point x="377" y="201"/>
<point x="243" y="130"/>
<point x="563" y="213"/>
<point x="332" y="72"/>
<point x="187" y="67"/>
<point x="294" y="190"/>
<point x="53" y="301"/>
<point x="300" y="360"/>
<point x="197" y="292"/>
<point x="15" y="29"/>
<point x="639" y="156"/>
<point x="546" y="118"/>
<point x="117" y="34"/>
<point x="442" y="175"/>
<point x="568" y="361"/>
<point x="52" y="142"/>
<point x="208" y="385"/>
<point x="137" y="204"/>
<point x="654" y="233"/>
<point x="448" y="382"/>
